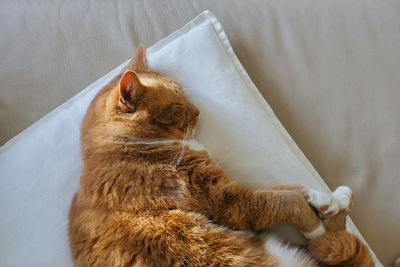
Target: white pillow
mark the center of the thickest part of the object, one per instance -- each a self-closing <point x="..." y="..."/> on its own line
<point x="41" y="167"/>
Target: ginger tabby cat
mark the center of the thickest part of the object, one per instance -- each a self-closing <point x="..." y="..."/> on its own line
<point x="150" y="195"/>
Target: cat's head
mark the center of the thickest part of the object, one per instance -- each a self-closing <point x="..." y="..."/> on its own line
<point x="145" y="104"/>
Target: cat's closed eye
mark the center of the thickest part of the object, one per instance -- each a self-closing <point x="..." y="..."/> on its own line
<point x="172" y="114"/>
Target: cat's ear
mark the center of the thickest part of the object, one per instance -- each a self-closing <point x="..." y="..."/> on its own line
<point x="130" y="91"/>
<point x="139" y="60"/>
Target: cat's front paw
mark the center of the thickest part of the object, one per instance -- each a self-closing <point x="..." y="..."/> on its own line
<point x="344" y="197"/>
<point x="329" y="204"/>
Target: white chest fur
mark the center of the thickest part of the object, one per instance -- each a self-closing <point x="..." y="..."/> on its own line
<point x="195" y="145"/>
<point x="288" y="256"/>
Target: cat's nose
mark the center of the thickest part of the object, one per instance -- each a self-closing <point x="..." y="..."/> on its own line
<point x="197" y="112"/>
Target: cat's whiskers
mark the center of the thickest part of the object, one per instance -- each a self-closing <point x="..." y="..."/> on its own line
<point x="179" y="155"/>
<point x="188" y="134"/>
<point x="194" y="130"/>
<point x="131" y="139"/>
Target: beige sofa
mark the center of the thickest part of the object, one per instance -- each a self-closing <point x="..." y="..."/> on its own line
<point x="329" y="69"/>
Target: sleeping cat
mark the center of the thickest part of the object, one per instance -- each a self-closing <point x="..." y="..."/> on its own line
<point x="150" y="195"/>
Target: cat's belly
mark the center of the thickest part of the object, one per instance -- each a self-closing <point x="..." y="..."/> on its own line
<point x="288" y="256"/>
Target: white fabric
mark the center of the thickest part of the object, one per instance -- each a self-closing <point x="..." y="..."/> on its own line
<point x="40" y="168"/>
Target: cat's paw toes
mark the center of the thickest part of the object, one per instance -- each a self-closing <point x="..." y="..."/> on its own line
<point x="328" y="204"/>
<point x="344" y="197"/>
<point x="323" y="202"/>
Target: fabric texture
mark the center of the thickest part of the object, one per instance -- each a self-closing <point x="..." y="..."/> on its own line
<point x="42" y="165"/>
<point x="328" y="69"/>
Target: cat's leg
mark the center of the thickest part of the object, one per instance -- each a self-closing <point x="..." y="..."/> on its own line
<point x="215" y="195"/>
<point x="245" y="209"/>
<point x="341" y="249"/>
<point x="189" y="239"/>
<point x="332" y="207"/>
<point x="338" y="247"/>
<point x="289" y="187"/>
<point x="327" y="204"/>
<point x="167" y="238"/>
